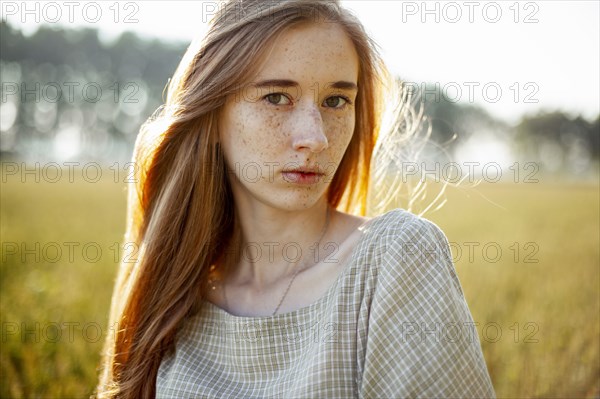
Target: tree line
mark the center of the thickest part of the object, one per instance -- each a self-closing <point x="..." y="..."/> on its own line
<point x="67" y="85"/>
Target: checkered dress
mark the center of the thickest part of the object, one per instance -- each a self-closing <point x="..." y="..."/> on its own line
<point x="395" y="324"/>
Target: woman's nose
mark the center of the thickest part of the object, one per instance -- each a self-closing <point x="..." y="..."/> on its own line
<point x="308" y="131"/>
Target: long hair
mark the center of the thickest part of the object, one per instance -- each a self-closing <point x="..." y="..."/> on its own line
<point x="180" y="212"/>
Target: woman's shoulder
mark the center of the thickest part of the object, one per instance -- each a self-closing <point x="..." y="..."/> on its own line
<point x="398" y="226"/>
<point x="406" y="248"/>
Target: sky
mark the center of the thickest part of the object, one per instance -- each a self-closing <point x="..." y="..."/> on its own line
<point x="511" y="57"/>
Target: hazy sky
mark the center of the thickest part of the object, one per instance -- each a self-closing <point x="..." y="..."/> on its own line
<point x="510" y="57"/>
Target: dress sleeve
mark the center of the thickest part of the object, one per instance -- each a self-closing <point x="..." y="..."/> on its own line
<point x="421" y="339"/>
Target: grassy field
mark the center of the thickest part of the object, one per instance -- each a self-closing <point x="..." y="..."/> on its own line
<point x="527" y="256"/>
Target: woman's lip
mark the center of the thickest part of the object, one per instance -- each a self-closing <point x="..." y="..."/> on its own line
<point x="299" y="177"/>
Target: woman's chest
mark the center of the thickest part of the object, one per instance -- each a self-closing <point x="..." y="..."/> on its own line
<point x="293" y="358"/>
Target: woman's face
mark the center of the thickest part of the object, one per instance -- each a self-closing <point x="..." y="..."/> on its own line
<point x="285" y="133"/>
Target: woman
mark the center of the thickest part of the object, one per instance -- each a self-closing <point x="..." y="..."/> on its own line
<point x="250" y="281"/>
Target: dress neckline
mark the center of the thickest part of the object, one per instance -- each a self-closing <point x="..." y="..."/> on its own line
<point x="368" y="227"/>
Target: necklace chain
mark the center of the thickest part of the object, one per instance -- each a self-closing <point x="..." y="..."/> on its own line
<point x="298" y="270"/>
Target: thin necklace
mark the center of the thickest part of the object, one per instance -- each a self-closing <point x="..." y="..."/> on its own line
<point x="212" y="280"/>
<point x="298" y="270"/>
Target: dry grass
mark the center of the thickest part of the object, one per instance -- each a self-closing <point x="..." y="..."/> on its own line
<point x="548" y="311"/>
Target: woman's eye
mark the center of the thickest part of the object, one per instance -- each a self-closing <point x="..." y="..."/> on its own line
<point x="277" y="99"/>
<point x="335" y="102"/>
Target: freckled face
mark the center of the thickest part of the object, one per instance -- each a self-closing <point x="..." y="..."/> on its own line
<point x="285" y="133"/>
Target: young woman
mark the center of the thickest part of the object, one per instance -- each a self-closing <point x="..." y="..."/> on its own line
<point x="251" y="279"/>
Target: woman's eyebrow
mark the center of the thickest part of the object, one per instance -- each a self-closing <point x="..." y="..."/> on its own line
<point x="276" y="83"/>
<point x="342" y="84"/>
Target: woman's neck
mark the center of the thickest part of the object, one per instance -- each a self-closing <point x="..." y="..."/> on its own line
<point x="272" y="242"/>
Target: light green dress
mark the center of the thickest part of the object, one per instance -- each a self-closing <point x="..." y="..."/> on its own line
<point x="395" y="324"/>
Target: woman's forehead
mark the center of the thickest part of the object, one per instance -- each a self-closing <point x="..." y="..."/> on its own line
<point x="310" y="54"/>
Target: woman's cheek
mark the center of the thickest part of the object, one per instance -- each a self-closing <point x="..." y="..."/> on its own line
<point x="342" y="128"/>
